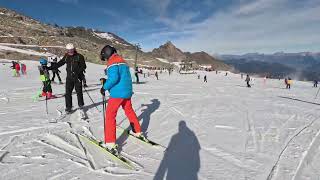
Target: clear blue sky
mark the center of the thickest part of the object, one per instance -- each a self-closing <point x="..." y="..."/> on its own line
<point x="215" y="26"/>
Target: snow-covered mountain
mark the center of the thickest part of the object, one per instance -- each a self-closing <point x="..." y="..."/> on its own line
<point x="23" y="32"/>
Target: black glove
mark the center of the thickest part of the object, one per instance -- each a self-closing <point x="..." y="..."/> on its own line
<point x="102" y="91"/>
<point x="84" y="71"/>
<point x="102" y="80"/>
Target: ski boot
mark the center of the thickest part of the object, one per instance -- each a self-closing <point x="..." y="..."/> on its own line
<point x="140" y="136"/>
<point x="68" y="110"/>
<point x="50" y="95"/>
<point x="111" y="147"/>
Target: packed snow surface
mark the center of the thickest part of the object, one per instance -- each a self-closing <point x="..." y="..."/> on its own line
<point x="214" y="130"/>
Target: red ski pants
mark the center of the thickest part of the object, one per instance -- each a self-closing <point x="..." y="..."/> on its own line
<point x="111" y="113"/>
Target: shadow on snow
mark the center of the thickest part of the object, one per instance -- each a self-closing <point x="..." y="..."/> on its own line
<point x="181" y="159"/>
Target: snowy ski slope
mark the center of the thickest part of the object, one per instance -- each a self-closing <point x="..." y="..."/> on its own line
<point x="217" y="130"/>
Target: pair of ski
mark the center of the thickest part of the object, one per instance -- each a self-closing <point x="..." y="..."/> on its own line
<point x="118" y="158"/>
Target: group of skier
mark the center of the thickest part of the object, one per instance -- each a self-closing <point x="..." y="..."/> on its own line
<point x="17" y="67"/>
<point x="118" y="83"/>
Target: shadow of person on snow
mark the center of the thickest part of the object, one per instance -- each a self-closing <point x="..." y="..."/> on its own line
<point x="181" y="159"/>
<point x="145" y="116"/>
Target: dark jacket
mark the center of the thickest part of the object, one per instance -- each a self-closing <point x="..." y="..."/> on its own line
<point x="75" y="65"/>
<point x="247" y="78"/>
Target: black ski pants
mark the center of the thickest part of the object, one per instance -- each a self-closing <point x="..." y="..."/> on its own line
<point x="73" y="83"/>
<point x="54" y="75"/>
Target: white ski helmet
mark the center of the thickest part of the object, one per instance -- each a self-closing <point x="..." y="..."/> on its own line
<point x="69" y="46"/>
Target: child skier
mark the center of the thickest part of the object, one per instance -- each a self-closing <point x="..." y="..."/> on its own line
<point x="45" y="78"/>
<point x="119" y="85"/>
<point x="13" y="67"/>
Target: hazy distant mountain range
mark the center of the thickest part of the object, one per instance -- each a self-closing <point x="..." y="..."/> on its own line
<point x="302" y="66"/>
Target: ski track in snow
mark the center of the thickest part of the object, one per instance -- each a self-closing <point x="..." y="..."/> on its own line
<point x="243" y="133"/>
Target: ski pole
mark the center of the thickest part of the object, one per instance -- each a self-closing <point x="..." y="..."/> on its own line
<point x="45" y="87"/>
<point x="104" y="110"/>
<point x="91" y="98"/>
<point x="47" y="103"/>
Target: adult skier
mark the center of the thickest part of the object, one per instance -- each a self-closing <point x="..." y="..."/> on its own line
<point x="75" y="66"/>
<point x="55" y="70"/>
<point x="45" y="78"/>
<point x="248" y="81"/>
<point x="156" y="74"/>
<point x="205" y="79"/>
<point x="136" y="73"/>
<point x="119" y="85"/>
<point x="315" y="83"/>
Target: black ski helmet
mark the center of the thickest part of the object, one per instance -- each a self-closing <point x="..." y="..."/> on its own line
<point x="107" y="52"/>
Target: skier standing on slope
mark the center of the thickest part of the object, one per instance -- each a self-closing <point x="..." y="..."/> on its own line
<point x="45" y="78"/>
<point x="119" y="85"/>
<point x="23" y="69"/>
<point x="17" y="68"/>
<point x="136" y="73"/>
<point x="13" y="67"/>
<point x="289" y="82"/>
<point x="55" y="70"/>
<point x="205" y="79"/>
<point x="248" y="81"/>
<point x="156" y="74"/>
<point x="75" y="66"/>
<point x="315" y="83"/>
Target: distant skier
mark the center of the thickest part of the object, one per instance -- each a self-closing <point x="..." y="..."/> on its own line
<point x="264" y="80"/>
<point x="248" y="81"/>
<point x="205" y="79"/>
<point x="198" y="76"/>
<point x="286" y="82"/>
<point x="226" y="74"/>
<point x="156" y="74"/>
<point x="17" y="68"/>
<point x="55" y="70"/>
<point x="13" y="67"/>
<point x="45" y="78"/>
<point x="315" y="83"/>
<point x="136" y="73"/>
<point x="23" y="69"/>
<point x="241" y="76"/>
<point x="119" y="85"/>
<point x="75" y="67"/>
<point x="289" y="82"/>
